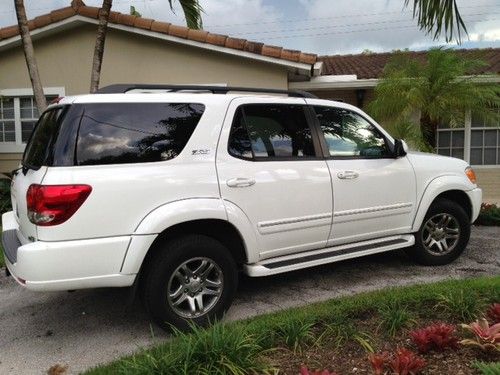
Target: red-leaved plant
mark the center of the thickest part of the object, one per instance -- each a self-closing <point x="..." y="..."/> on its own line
<point x="402" y="362"/>
<point x="405" y="362"/>
<point x="437" y="336"/>
<point x="493" y="313"/>
<point x="305" y="371"/>
<point x="378" y="362"/>
<point x="486" y="337"/>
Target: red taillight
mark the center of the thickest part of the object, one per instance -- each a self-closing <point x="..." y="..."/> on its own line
<point x="54" y="204"/>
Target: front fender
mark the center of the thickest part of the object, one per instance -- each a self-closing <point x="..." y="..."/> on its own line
<point x="438" y="186"/>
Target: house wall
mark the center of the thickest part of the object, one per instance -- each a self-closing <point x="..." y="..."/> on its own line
<point x="65" y="60"/>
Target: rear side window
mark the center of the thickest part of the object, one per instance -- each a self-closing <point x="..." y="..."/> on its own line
<point x="116" y="133"/>
<point x="266" y="131"/>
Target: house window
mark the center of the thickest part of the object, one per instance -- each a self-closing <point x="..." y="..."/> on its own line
<point x="18" y="116"/>
<point x="484" y="142"/>
<point x="450" y="141"/>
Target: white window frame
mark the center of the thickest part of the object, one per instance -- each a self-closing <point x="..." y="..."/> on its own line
<point x="467" y="140"/>
<point x="18" y="146"/>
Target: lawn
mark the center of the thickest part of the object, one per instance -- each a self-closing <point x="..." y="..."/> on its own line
<point x="341" y="335"/>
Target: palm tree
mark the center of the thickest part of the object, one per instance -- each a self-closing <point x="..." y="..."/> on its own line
<point x="192" y="12"/>
<point x="439" y="16"/>
<point x="415" y="97"/>
<point x="29" y="55"/>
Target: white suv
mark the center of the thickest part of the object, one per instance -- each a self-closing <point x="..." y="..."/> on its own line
<point x="173" y="189"/>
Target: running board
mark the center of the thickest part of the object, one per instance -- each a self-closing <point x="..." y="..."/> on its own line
<point x="327" y="255"/>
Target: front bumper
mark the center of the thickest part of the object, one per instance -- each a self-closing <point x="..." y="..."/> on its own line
<point x="64" y="265"/>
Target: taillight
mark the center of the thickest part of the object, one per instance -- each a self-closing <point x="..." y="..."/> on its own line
<point x="54" y="204"/>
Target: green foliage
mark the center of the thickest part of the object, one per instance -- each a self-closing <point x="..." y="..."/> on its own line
<point x="219" y="350"/>
<point x="5" y="204"/>
<point x="492" y="368"/>
<point x="296" y="332"/>
<point x="464" y="306"/>
<point x="489" y="215"/>
<point x="395" y="317"/>
<point x="172" y="356"/>
<point x="439" y="17"/>
<point x="134" y="12"/>
<point x="440" y="88"/>
<point x="192" y="11"/>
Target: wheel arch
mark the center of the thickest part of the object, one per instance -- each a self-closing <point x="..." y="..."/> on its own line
<point x="453" y="188"/>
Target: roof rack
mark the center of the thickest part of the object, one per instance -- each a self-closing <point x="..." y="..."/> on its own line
<point x="123" y="88"/>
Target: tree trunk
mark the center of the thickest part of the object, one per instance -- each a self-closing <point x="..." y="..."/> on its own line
<point x="29" y="55"/>
<point x="99" y="45"/>
<point x="429" y="130"/>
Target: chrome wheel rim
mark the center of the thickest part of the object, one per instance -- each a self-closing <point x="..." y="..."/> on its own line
<point x="195" y="287"/>
<point x="441" y="234"/>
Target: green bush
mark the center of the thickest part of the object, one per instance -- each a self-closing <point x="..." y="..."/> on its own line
<point x="4" y="195"/>
<point x="489" y="215"/>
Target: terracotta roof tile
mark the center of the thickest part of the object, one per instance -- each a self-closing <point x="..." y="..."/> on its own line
<point x="78" y="7"/>
<point x="160" y="27"/>
<point x="371" y="65"/>
<point x="143" y="23"/>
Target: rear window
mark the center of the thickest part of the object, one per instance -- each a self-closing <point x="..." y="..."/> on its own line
<point x="135" y="132"/>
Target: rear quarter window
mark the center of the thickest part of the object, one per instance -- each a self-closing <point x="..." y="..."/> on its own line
<point x="117" y="133"/>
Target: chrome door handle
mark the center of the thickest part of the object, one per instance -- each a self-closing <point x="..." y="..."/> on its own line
<point x="240" y="182"/>
<point x="348" y="175"/>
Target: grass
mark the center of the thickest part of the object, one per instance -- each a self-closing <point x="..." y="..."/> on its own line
<point x="484" y="368"/>
<point x="394" y="317"/>
<point x="241" y="347"/>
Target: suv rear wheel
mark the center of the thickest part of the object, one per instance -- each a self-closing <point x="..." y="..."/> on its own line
<point x="443" y="236"/>
<point x="191" y="279"/>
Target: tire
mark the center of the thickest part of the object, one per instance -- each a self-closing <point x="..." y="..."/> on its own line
<point x="169" y="305"/>
<point x="426" y="250"/>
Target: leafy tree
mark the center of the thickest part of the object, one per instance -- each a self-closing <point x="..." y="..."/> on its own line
<point x="414" y="97"/>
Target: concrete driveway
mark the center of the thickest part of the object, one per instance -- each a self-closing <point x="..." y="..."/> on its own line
<point x="85" y="328"/>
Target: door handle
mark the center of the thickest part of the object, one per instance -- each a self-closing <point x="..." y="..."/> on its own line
<point x="240" y="182"/>
<point x="348" y="175"/>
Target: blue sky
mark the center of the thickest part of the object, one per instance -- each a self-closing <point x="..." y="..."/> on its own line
<point x="317" y="26"/>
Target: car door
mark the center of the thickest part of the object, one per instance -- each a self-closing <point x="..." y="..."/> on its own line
<point x="374" y="192"/>
<point x="270" y="167"/>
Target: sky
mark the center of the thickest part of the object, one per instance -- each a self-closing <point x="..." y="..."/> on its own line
<point x="325" y="27"/>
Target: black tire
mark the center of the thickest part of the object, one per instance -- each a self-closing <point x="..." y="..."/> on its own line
<point x="168" y="258"/>
<point x="421" y="254"/>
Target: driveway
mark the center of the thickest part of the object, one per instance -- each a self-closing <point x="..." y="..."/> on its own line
<point x="85" y="328"/>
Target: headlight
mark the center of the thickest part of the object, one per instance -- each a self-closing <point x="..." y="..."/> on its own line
<point x="471" y="175"/>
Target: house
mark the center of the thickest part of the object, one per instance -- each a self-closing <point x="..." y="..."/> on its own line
<point x="147" y="51"/>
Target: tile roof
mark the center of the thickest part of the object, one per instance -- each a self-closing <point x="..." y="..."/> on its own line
<point x="371" y="65"/>
<point x="78" y="7"/>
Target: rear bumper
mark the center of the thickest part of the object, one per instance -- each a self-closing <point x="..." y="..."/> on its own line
<point x="64" y="265"/>
<point x="476" y="198"/>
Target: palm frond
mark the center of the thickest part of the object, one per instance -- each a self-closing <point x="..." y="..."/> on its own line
<point x="439" y="17"/>
<point x="192" y="12"/>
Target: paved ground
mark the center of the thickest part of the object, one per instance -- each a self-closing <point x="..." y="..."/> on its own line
<point x="84" y="328"/>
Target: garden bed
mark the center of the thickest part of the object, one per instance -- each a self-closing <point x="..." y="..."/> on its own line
<point x="338" y="335"/>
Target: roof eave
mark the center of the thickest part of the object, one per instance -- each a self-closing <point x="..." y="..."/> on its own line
<point x="302" y="69"/>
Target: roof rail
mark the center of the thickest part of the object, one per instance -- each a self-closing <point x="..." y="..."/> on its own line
<point x="123" y="88"/>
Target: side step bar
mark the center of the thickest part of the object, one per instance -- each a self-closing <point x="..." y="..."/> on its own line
<point x="328" y="255"/>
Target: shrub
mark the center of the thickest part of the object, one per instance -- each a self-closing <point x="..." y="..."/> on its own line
<point x="406" y="362"/>
<point x="438" y="336"/>
<point x="218" y="350"/>
<point x="486" y="337"/>
<point x="296" y="332"/>
<point x="462" y="306"/>
<point x="394" y="317"/>
<point x="5" y="204"/>
<point x="484" y="368"/>
<point x="402" y="362"/>
<point x="493" y="313"/>
<point x="488" y="215"/>
<point x="305" y="371"/>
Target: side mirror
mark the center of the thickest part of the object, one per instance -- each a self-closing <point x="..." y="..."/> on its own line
<point x="400" y="148"/>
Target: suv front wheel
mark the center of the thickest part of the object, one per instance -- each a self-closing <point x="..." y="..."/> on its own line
<point x="443" y="236"/>
<point x="191" y="279"/>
